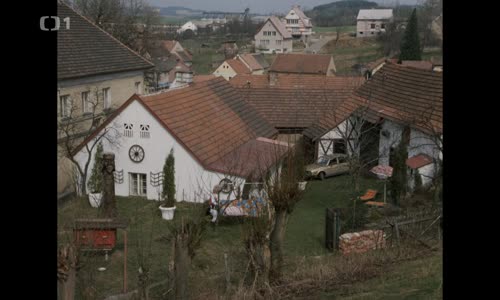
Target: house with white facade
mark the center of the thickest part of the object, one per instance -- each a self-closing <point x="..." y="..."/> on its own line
<point x="273" y="37"/>
<point x="397" y="103"/>
<point x="298" y="24"/>
<point x="373" y="22"/>
<point x="213" y="132"/>
<point x="242" y="64"/>
<point x="189" y="25"/>
<point x="96" y="74"/>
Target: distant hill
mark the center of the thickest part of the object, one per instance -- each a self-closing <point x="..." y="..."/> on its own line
<point x="179" y="11"/>
<point x="339" y="13"/>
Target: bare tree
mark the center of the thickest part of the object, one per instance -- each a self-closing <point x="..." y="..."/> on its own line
<point x="74" y="128"/>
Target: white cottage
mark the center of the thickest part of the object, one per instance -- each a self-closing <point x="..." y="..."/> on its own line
<point x="273" y="37"/>
<point x="398" y="102"/>
<point x="211" y="139"/>
<point x="298" y="24"/>
<point x="189" y="25"/>
<point x="372" y="22"/>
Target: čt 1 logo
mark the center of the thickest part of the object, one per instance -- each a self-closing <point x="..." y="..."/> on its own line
<point x="57" y="24"/>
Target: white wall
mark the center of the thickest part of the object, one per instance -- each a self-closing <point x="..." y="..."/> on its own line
<point x="193" y="183"/>
<point x="337" y="133"/>
<point x="273" y="45"/>
<point x="364" y="26"/>
<point x="225" y="71"/>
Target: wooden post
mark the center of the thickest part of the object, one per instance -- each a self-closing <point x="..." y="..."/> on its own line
<point x="228" y="278"/>
<point x="125" y="261"/>
<point x="108" y="192"/>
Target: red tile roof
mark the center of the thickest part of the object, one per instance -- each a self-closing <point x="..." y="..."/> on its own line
<point x="238" y="66"/>
<point x="293" y="100"/>
<point x="252" y="159"/>
<point x="302" y="63"/>
<point x="201" y="78"/>
<point x="419" y="64"/>
<point x="405" y="95"/>
<point x="208" y="118"/>
<point x="250" y="60"/>
<point x="418" y="161"/>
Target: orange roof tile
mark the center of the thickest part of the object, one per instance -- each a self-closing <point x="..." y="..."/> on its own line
<point x="418" y="161"/>
<point x="301" y="63"/>
<point x="405" y="95"/>
<point x="238" y="66"/>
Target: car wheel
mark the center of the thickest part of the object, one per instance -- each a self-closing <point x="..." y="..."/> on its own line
<point x="322" y="176"/>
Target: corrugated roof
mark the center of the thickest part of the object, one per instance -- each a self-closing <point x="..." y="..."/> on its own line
<point x="374" y="14"/>
<point x="292" y="100"/>
<point x="87" y="50"/>
<point x="406" y="95"/>
<point x="301" y="63"/>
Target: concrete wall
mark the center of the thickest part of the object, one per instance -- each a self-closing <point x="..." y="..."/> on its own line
<point x="193" y="183"/>
<point x="283" y="46"/>
<point x="363" y="28"/>
<point x="121" y="87"/>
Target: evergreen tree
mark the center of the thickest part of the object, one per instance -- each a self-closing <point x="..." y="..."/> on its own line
<point x="410" y="47"/>
<point x="168" y="191"/>
<point x="95" y="180"/>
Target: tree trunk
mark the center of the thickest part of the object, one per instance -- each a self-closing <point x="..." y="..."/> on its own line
<point x="181" y="267"/>
<point x="277" y="238"/>
<point x="108" y="187"/>
<point x="66" y="273"/>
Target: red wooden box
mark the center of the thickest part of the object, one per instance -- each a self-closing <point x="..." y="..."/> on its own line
<point x="98" y="239"/>
<point x="97" y="234"/>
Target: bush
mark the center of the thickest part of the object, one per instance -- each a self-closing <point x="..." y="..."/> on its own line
<point x="95" y="180"/>
<point x="168" y="191"/>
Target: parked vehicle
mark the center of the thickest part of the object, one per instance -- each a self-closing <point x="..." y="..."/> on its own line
<point x="329" y="165"/>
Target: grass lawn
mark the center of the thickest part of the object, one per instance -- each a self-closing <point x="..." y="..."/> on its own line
<point x="304" y="237"/>
<point x="418" y="279"/>
<point x="334" y="29"/>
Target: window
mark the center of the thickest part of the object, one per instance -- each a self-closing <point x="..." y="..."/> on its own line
<point x="106" y="94"/>
<point x="332" y="162"/>
<point x="144" y="131"/>
<point x="129" y="132"/>
<point x="138" y="184"/>
<point x="86" y="105"/>
<point x="342" y="160"/>
<point x="65" y="106"/>
<point x="382" y="26"/>
<point x="339" y="146"/>
<point x="178" y="76"/>
<point x="274" y="33"/>
<point x="372" y="26"/>
<point x="138" y="89"/>
<point x="361" y="32"/>
<point x="288" y="21"/>
<point x="373" y="32"/>
<point x="278" y="42"/>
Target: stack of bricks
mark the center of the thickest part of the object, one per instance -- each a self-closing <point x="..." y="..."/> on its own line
<point x="360" y="242"/>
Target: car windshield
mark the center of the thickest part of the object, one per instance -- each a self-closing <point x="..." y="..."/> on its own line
<point x="323" y="160"/>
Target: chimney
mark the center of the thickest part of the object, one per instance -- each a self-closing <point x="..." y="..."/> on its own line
<point x="273" y="78"/>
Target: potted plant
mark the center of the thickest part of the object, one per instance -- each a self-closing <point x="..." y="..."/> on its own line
<point x="167" y="208"/>
<point x="95" y="180"/>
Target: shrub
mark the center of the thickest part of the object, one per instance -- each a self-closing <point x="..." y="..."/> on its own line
<point x="168" y="191"/>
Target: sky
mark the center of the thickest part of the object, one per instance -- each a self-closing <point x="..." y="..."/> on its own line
<point x="256" y="6"/>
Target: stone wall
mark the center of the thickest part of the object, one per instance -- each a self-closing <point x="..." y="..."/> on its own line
<point x="360" y="242"/>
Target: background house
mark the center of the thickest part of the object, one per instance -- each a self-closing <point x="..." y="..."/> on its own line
<point x="95" y="75"/>
<point x="372" y="22"/>
<point x="311" y="64"/>
<point x="231" y="67"/>
<point x="298" y="24"/>
<point x="273" y="37"/>
<point x="256" y="62"/>
<point x="217" y="136"/>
